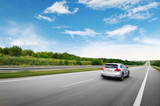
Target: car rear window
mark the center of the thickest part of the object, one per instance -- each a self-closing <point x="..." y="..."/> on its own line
<point x="111" y="66"/>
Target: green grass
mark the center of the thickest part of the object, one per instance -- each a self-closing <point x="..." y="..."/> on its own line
<point x="38" y="73"/>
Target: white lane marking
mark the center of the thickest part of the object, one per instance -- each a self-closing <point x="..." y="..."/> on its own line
<point x="23" y="79"/>
<point x="77" y="83"/>
<point x="40" y="77"/>
<point x="137" y="102"/>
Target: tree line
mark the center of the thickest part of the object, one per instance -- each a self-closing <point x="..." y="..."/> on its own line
<point x="155" y="63"/>
<point x="17" y="51"/>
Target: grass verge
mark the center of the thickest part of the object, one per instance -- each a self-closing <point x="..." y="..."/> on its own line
<point x="38" y="73"/>
<point x="157" y="68"/>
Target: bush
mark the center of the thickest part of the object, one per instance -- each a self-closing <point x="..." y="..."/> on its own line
<point x="61" y="62"/>
<point x="1" y="55"/>
<point x="66" y="62"/>
<point x="1" y="50"/>
<point x="15" y="51"/>
<point x="6" y="51"/>
<point x="78" y="62"/>
<point x="96" y="62"/>
<point x="27" y="52"/>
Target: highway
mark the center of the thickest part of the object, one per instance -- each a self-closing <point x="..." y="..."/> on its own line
<point x="83" y="89"/>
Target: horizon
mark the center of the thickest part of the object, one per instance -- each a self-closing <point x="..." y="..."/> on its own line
<point x="127" y="30"/>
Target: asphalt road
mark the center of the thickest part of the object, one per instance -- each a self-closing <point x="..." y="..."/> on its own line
<point x="82" y="89"/>
<point x="38" y="68"/>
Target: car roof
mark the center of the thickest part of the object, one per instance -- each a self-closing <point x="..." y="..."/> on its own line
<point x="114" y="63"/>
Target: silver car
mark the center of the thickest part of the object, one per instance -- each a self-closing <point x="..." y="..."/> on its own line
<point x="115" y="70"/>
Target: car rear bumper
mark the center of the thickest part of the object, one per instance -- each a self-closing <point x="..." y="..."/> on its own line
<point x="111" y="74"/>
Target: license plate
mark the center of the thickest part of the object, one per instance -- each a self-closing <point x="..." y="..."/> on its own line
<point x="108" y="70"/>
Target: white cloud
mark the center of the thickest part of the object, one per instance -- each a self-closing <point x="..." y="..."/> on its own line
<point x="22" y="42"/>
<point x="26" y="37"/>
<point x="139" y="16"/>
<point x="86" y="32"/>
<point x="118" y="18"/>
<point x="146" y="7"/>
<point x="141" y="12"/>
<point x="61" y="26"/>
<point x="153" y="19"/>
<point x="75" y="10"/>
<point x="102" y="4"/>
<point x="121" y="31"/>
<point x="138" y="13"/>
<point x="119" y="51"/>
<point x="45" y="18"/>
<point x="147" y="41"/>
<point x="151" y="41"/>
<point x="60" y="8"/>
<point x="111" y="20"/>
<point x="142" y="31"/>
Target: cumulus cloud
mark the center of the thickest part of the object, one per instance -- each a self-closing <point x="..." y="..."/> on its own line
<point x="86" y="32"/>
<point x="120" y="32"/>
<point x="103" y="4"/>
<point x="44" y="17"/>
<point x="60" y="8"/>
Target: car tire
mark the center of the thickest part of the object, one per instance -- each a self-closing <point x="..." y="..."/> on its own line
<point x="103" y="76"/>
<point x="128" y="74"/>
<point x="122" y="77"/>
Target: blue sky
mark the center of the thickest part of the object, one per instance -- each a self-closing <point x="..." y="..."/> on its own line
<point x="124" y="29"/>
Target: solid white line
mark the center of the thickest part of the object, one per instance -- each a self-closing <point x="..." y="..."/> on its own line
<point x="23" y="79"/>
<point x="77" y="83"/>
<point x="140" y="93"/>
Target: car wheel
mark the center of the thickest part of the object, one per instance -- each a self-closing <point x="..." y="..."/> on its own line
<point x="122" y="77"/>
<point x="128" y="74"/>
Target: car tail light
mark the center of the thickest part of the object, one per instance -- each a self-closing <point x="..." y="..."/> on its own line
<point x="117" y="69"/>
<point x="102" y="68"/>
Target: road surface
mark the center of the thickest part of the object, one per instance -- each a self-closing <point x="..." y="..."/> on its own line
<point x="38" y="68"/>
<point x="83" y="89"/>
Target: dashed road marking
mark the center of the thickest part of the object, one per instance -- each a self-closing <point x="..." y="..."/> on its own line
<point x="77" y="83"/>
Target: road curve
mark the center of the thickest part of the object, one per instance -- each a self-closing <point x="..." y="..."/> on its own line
<point x="81" y="89"/>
